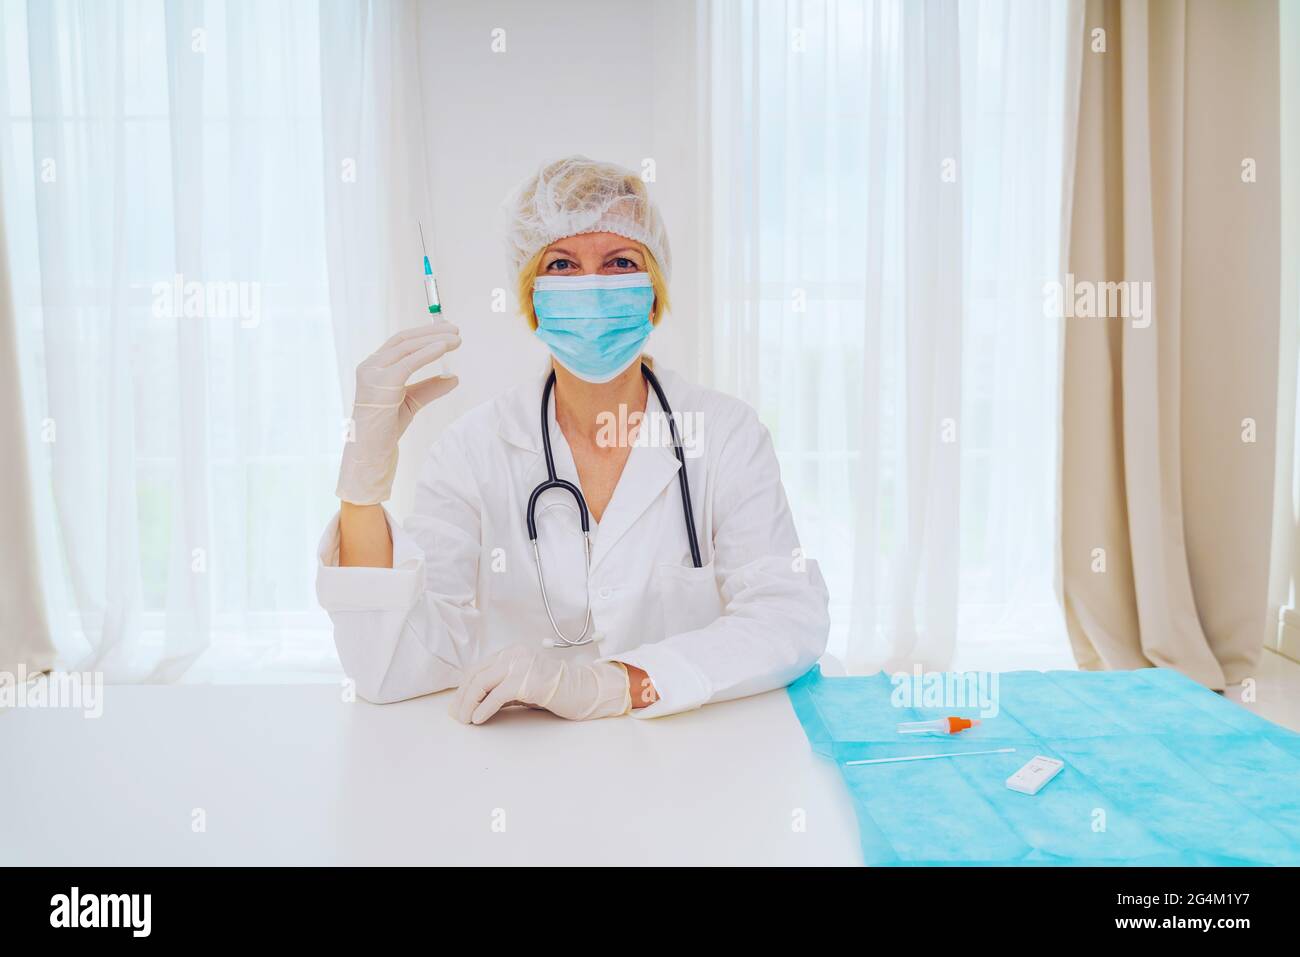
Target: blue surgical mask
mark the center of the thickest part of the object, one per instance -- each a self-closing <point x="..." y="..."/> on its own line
<point x="595" y="326"/>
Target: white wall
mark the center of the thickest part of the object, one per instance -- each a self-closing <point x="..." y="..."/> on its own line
<point x="612" y="81"/>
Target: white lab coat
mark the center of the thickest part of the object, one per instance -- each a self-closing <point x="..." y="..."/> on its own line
<point x="463" y="584"/>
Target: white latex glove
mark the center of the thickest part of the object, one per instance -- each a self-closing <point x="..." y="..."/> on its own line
<point x="385" y="405"/>
<point x="542" y="679"/>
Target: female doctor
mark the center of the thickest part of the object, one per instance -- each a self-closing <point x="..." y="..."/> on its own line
<point x="684" y="592"/>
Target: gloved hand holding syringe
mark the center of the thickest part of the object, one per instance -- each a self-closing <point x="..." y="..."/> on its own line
<point x="386" y="402"/>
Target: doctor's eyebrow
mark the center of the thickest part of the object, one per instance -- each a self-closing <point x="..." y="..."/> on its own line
<point x="626" y="252"/>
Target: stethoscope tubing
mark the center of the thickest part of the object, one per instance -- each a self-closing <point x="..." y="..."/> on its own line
<point x="682" y="482"/>
<point x="554" y="482"/>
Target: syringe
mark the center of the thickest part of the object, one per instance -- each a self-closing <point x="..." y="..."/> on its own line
<point x="430" y="284"/>
<point x="443" y="365"/>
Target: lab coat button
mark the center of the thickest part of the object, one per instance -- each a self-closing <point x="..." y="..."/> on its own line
<point x="606" y="593"/>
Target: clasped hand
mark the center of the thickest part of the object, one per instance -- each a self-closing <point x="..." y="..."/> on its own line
<point x="541" y="678"/>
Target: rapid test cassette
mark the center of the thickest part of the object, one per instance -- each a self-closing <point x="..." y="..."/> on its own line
<point x="1033" y="777"/>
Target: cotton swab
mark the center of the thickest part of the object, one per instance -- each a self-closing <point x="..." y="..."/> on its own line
<point x="926" y="757"/>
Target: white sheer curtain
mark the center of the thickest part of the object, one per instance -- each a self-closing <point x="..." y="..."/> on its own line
<point x="164" y="195"/>
<point x="888" y="179"/>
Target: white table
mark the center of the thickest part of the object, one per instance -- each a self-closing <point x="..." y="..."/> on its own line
<point x="295" y="775"/>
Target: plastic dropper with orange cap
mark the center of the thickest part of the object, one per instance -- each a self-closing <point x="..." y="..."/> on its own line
<point x="937" y="726"/>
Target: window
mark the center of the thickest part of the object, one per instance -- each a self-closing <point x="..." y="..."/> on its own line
<point x="888" y="181"/>
<point x="162" y="195"/>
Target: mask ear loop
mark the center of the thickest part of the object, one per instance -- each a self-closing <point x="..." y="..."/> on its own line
<point x="557" y="483"/>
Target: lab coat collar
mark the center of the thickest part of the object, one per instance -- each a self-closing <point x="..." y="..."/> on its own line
<point x="649" y="467"/>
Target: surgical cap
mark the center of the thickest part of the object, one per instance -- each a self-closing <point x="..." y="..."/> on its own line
<point x="578" y="195"/>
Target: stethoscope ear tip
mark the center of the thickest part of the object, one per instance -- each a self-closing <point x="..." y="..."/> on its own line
<point x="548" y="642"/>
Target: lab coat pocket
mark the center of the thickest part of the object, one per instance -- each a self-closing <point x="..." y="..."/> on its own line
<point x="688" y="597"/>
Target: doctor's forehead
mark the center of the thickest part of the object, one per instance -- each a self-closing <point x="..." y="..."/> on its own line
<point x="594" y="245"/>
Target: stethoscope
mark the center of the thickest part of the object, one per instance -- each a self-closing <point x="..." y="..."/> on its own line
<point x="561" y="640"/>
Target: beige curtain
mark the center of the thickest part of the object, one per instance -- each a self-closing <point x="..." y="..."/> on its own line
<point x="24" y="631"/>
<point x="1169" y="417"/>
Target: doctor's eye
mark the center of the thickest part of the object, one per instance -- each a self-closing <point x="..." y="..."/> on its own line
<point x="561" y="265"/>
<point x="622" y="264"/>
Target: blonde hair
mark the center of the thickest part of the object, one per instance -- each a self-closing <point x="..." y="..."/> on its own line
<point x="530" y="269"/>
